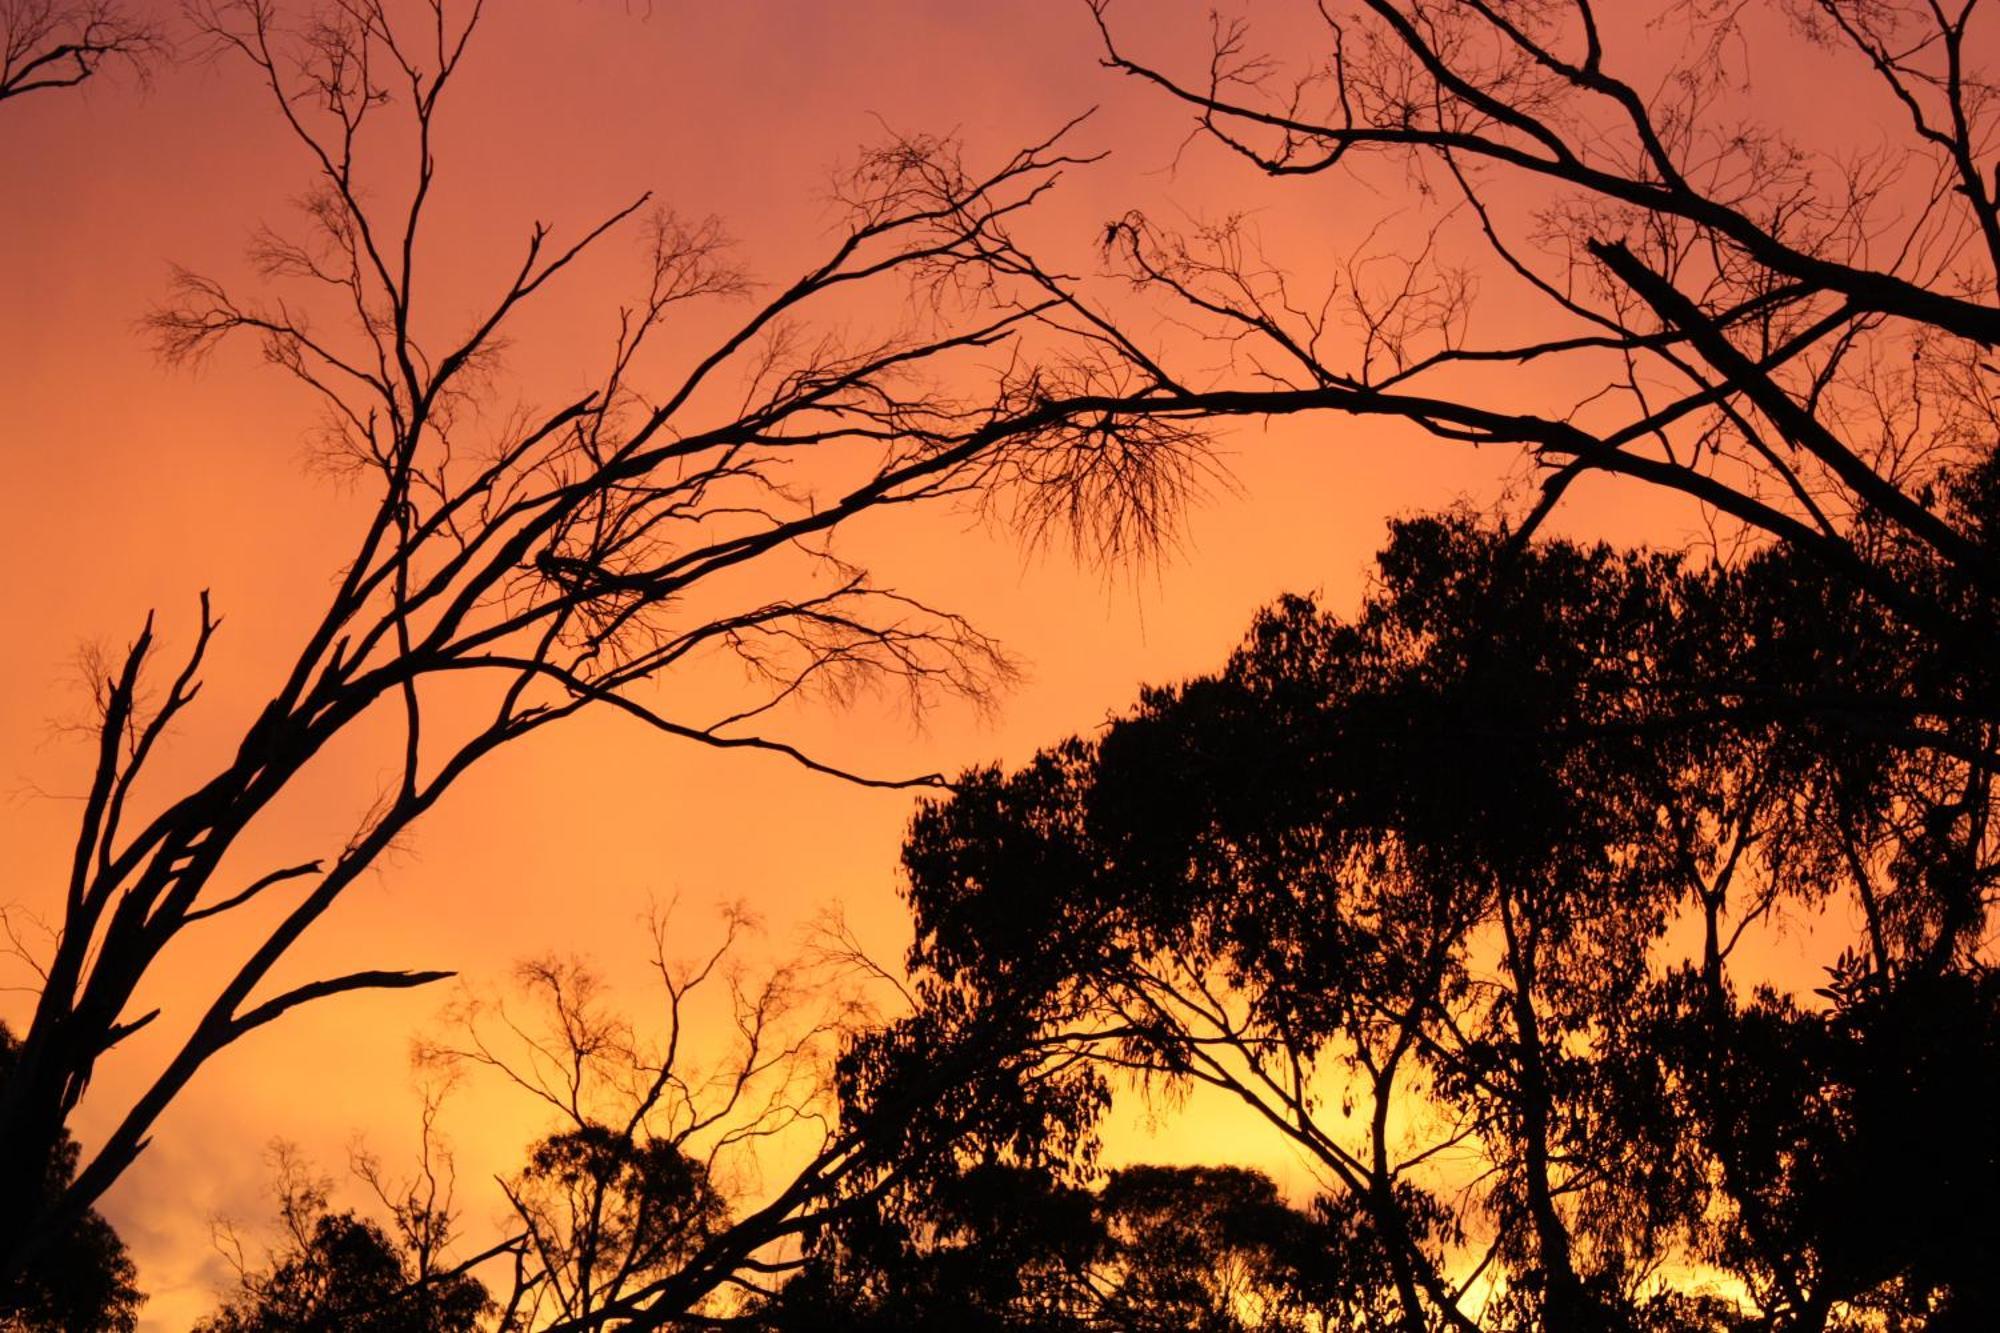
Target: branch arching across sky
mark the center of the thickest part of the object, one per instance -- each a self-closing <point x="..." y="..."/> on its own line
<point x="542" y="563"/>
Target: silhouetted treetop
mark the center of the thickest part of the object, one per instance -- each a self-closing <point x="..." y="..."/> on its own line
<point x="1153" y="1249"/>
<point x="335" y="1271"/>
<point x="1463" y="879"/>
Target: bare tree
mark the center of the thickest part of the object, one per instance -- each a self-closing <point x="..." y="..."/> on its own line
<point x="1799" y="340"/>
<point x="532" y="565"/>
<point x="332" y="1268"/>
<point x="47" y="44"/>
<point x="640" y="1202"/>
<point x="689" y="1164"/>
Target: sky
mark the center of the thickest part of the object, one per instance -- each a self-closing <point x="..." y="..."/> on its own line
<point x="133" y="485"/>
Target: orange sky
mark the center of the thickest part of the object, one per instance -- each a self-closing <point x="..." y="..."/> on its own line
<point x="131" y="486"/>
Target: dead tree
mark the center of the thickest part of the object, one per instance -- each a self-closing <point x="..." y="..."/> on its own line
<point x="539" y="564"/>
<point x="1800" y="343"/>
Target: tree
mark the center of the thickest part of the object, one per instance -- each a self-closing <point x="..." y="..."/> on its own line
<point x="625" y="1212"/>
<point x="85" y="1282"/>
<point x="1215" y="1248"/>
<point x="1802" y="346"/>
<point x="532" y="566"/>
<point x="1300" y="882"/>
<point x="337" y="1270"/>
<point x="1007" y="1246"/>
<point x="1800" y="341"/>
<point x="983" y="1246"/>
<point x="51" y="44"/>
<point x="641" y="1203"/>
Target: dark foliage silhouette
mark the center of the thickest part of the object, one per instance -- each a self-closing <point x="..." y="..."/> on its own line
<point x="1419" y="890"/>
<point x="1464" y="896"/>
<point x="1153" y="1249"/>
<point x="85" y="1282"/>
<point x="1461" y="895"/>
<point x="630" y="1211"/>
<point x="336" y="1271"/>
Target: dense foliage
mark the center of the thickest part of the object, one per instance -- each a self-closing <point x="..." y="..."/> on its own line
<point x="993" y="1247"/>
<point x="1472" y="896"/>
<point x="85" y="1282"/>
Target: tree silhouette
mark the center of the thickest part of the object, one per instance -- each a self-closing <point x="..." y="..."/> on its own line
<point x="532" y="566"/>
<point x="630" y="1210"/>
<point x="85" y="1281"/>
<point x="1852" y="1143"/>
<point x="1404" y="885"/>
<point x="1215" y="1248"/>
<point x="994" y="1246"/>
<point x="52" y="44"/>
<point x="621" y="1213"/>
<point x="1800" y="344"/>
<point x="339" y="1271"/>
<point x="1410" y="886"/>
<point x="987" y="1247"/>
<point x="1800" y="341"/>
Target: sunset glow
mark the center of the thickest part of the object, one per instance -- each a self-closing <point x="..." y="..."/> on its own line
<point x="148" y="466"/>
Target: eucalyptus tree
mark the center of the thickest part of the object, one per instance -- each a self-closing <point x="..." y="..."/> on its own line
<point x="1453" y="896"/>
<point x="1148" y="1250"/>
